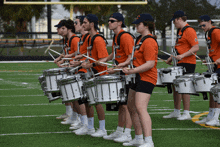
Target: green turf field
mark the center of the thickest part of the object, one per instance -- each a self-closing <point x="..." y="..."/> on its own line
<point x="27" y="119"/>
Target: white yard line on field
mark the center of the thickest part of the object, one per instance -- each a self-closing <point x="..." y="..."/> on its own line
<point x="62" y="132"/>
<point x="20" y="95"/>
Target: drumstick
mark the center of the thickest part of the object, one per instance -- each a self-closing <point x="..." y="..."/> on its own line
<point x="209" y="63"/>
<point x="119" y="69"/>
<point x="161" y="59"/>
<point x="75" y="68"/>
<point x="67" y="58"/>
<point x="55" y="51"/>
<point x="100" y="72"/>
<point x="48" y="47"/>
<point x="98" y="61"/>
<point x="196" y="56"/>
<point x="64" y="64"/>
<point x="51" y="55"/>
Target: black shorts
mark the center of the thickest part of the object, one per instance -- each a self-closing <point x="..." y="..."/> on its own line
<point x="190" y="68"/>
<point x="142" y="86"/>
<point x="217" y="71"/>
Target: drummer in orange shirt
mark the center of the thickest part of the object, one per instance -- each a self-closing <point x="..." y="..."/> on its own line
<point x="214" y="53"/>
<point x="145" y="62"/>
<point x="122" y="59"/>
<point x="98" y="52"/>
<point x="69" y="31"/>
<point x="185" y="46"/>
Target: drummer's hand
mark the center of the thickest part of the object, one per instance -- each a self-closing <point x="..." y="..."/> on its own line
<point x="67" y="56"/>
<point x="86" y="65"/>
<point x="179" y="57"/>
<point x="217" y="61"/>
<point x="111" y="70"/>
<point x="74" y="63"/>
<point x="121" y="65"/>
<point x="128" y="71"/>
<point x="56" y="60"/>
<point x="78" y="57"/>
<point x="168" y="62"/>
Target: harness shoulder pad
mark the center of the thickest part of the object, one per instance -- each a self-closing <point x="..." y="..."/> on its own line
<point x="138" y="39"/>
<point x="144" y="38"/>
<point x="85" y="37"/>
<point x="93" y="38"/>
<point x="120" y="34"/>
<point x="72" y="39"/>
<point x="210" y="32"/>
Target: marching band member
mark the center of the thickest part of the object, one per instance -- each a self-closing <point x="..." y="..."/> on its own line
<point x="68" y="30"/>
<point x="186" y="43"/>
<point x="122" y="59"/>
<point x="82" y="49"/>
<point x="213" y="39"/>
<point x="97" y="52"/>
<point x="69" y="109"/>
<point x="145" y="62"/>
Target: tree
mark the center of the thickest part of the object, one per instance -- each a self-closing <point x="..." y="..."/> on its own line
<point x="20" y="15"/>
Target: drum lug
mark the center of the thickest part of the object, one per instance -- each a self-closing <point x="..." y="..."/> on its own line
<point x="122" y="91"/>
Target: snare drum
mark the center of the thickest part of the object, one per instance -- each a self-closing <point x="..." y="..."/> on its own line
<point x="216" y="93"/>
<point x="89" y="87"/>
<point x="159" y="81"/>
<point x="71" y="88"/>
<point x="169" y="74"/>
<point x="130" y="78"/>
<point x="42" y="82"/>
<point x="184" y="84"/>
<point x="53" y="96"/>
<point x="205" y="82"/>
<point x="52" y="75"/>
<point x="110" y="89"/>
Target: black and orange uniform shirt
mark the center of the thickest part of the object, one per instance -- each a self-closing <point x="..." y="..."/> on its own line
<point x="185" y="43"/>
<point x="83" y="50"/>
<point x="126" y="47"/>
<point x="214" y="51"/>
<point x="98" y="51"/>
<point x="74" y="44"/>
<point x="147" y="52"/>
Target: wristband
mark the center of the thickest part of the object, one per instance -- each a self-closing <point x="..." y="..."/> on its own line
<point x="93" y="64"/>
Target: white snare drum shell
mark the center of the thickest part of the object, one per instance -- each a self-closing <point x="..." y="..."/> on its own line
<point x="169" y="74"/>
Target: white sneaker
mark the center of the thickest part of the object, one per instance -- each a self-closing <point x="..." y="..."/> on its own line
<point x="212" y="122"/>
<point x="77" y="126"/>
<point x="84" y="131"/>
<point x="203" y="121"/>
<point x="67" y="122"/>
<point x="113" y="135"/>
<point x="63" y="116"/>
<point x="75" y="123"/>
<point x="147" y="145"/>
<point x="99" y="133"/>
<point x="134" y="142"/>
<point x="124" y="138"/>
<point x="172" y="115"/>
<point x="185" y="116"/>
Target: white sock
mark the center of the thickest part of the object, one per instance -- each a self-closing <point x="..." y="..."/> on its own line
<point x="74" y="116"/>
<point x="211" y="113"/>
<point x="139" y="137"/>
<point x="120" y="129"/>
<point x="127" y="131"/>
<point x="69" y="110"/>
<point x="148" y="139"/>
<point x="216" y="113"/>
<point x="177" y="110"/>
<point x="102" y="124"/>
<point x="79" y="117"/>
<point x="186" y="111"/>
<point x="84" y="120"/>
<point x="90" y="122"/>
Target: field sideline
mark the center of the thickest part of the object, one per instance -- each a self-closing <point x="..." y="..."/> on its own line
<point x="28" y="119"/>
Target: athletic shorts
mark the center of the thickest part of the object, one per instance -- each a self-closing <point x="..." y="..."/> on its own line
<point x="142" y="86"/>
<point x="190" y="68"/>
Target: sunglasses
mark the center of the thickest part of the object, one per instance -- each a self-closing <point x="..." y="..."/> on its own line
<point x="76" y="22"/>
<point x="112" y="21"/>
<point x="202" y="25"/>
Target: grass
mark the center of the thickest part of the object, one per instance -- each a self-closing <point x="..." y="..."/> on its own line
<point x="21" y="95"/>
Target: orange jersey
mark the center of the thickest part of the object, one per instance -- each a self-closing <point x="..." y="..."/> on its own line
<point x="126" y="47"/>
<point x="83" y="50"/>
<point x="185" y="43"/>
<point x="98" y="51"/>
<point x="214" y="51"/>
<point x="74" y="44"/>
<point x="147" y="52"/>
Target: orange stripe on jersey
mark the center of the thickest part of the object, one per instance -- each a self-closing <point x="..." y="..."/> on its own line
<point x="214" y="52"/>
<point x="187" y="41"/>
<point x="126" y="47"/>
<point x="147" y="52"/>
